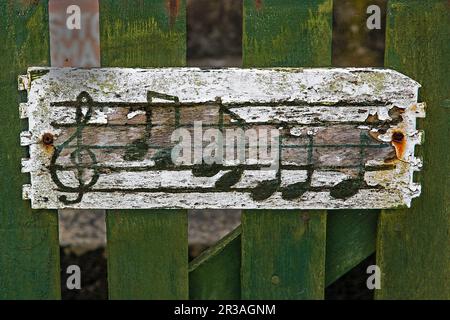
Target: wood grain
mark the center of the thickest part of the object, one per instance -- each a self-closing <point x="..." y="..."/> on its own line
<point x="285" y="33"/>
<point x="413" y="246"/>
<point x="147" y="254"/>
<point x="111" y="138"/>
<point x="147" y="250"/>
<point x="351" y="236"/>
<point x="281" y="254"/>
<point x="29" y="259"/>
<point x="215" y="274"/>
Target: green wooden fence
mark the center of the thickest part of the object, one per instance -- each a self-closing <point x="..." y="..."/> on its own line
<point x="274" y="254"/>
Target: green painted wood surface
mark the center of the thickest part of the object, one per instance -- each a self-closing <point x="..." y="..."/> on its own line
<point x="147" y="254"/>
<point x="136" y="33"/>
<point x="293" y="33"/>
<point x="351" y="238"/>
<point x="147" y="250"/>
<point x="215" y="274"/>
<point x="29" y="259"/>
<point x="283" y="254"/>
<point x="413" y="246"/>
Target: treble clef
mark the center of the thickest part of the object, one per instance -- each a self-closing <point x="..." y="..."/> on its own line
<point x="78" y="156"/>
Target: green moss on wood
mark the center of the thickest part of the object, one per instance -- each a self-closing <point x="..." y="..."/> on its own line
<point x="285" y="33"/>
<point x="413" y="247"/>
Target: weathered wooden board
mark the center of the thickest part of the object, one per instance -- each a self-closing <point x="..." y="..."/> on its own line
<point x="101" y="138"/>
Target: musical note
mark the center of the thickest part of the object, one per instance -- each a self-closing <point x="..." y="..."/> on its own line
<point x="349" y="187"/>
<point x="206" y="170"/>
<point x="163" y="158"/>
<point x="225" y="182"/>
<point x="296" y="190"/>
<point x="210" y="170"/>
<point x="137" y="150"/>
<point x="78" y="155"/>
<point x="267" y="188"/>
<point x="86" y="170"/>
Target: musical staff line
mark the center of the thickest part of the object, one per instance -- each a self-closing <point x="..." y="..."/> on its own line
<point x="83" y="156"/>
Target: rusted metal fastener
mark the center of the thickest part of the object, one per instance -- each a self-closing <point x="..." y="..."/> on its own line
<point x="47" y="139"/>
<point x="398" y="136"/>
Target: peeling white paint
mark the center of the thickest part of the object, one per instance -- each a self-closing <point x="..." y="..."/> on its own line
<point x="133" y="114"/>
<point x="329" y="98"/>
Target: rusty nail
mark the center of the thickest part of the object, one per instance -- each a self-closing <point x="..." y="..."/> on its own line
<point x="47" y="139"/>
<point x="397" y="137"/>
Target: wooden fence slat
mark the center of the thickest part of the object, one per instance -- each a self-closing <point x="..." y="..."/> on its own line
<point x="413" y="245"/>
<point x="283" y="255"/>
<point x="215" y="274"/>
<point x="351" y="238"/>
<point x="287" y="33"/>
<point x="147" y="251"/>
<point x="29" y="259"/>
<point x="147" y="254"/>
<point x="351" y="234"/>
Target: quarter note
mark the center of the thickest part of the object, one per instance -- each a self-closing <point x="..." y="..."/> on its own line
<point x="267" y="188"/>
<point x="348" y="188"/>
<point x="225" y="182"/>
<point x="296" y="190"/>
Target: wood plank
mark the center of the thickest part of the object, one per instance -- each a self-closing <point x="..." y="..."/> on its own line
<point x="29" y="259"/>
<point x="147" y="254"/>
<point x="144" y="34"/>
<point x="149" y="33"/>
<point x="215" y="274"/>
<point x="351" y="234"/>
<point x="80" y="48"/>
<point x="285" y="33"/>
<point x="318" y="159"/>
<point x="283" y="254"/>
<point x="413" y="247"/>
<point x="351" y="238"/>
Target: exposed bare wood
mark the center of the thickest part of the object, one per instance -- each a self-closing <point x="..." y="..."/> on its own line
<point x="102" y="138"/>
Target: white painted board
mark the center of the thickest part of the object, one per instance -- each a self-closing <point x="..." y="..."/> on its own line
<point x="335" y="138"/>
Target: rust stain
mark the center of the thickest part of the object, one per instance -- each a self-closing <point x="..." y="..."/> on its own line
<point x="173" y="8"/>
<point x="29" y="3"/>
<point x="372" y="119"/>
<point x="47" y="141"/>
<point x="399" y="143"/>
<point x="258" y="4"/>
